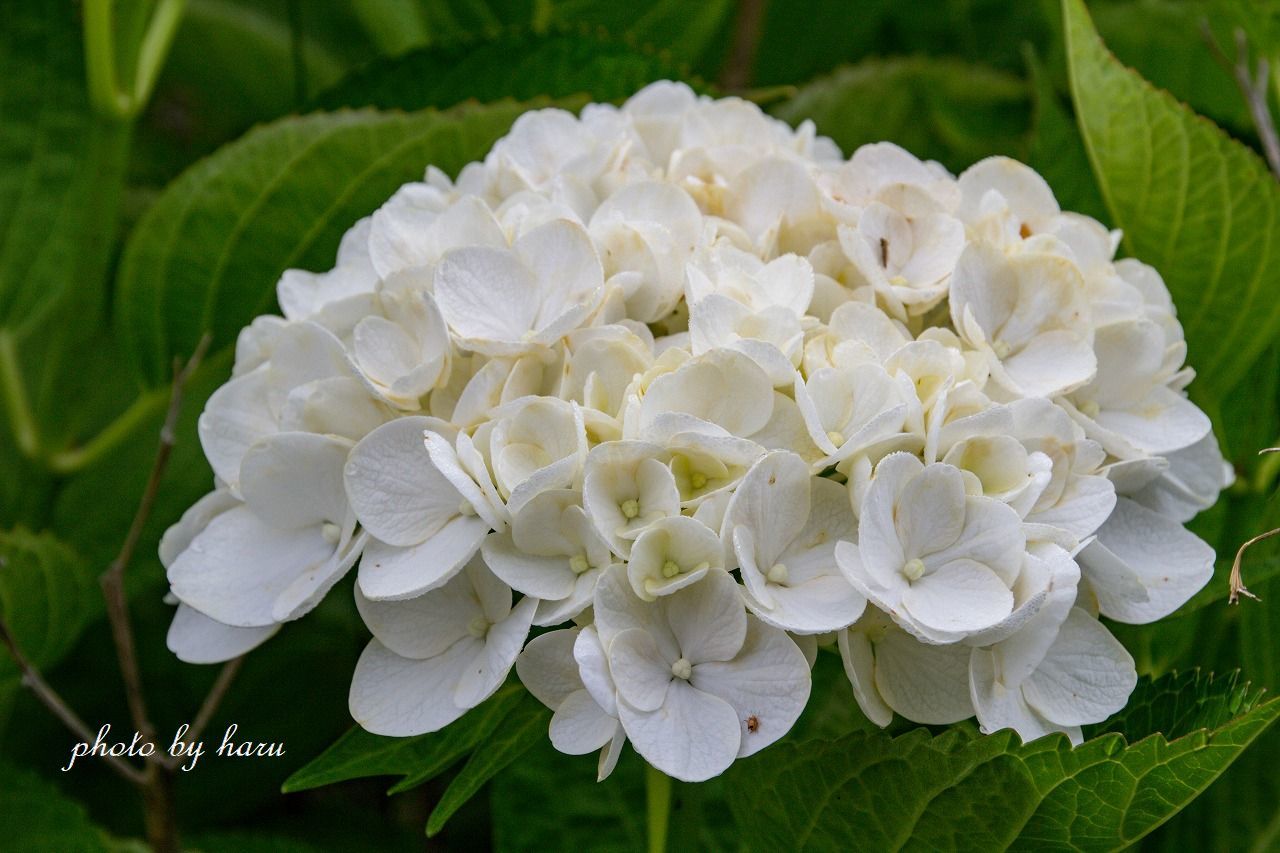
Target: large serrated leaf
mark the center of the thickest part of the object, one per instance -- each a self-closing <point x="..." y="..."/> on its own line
<point x="1199" y="206"/>
<point x="939" y="109"/>
<point x="964" y="791"/>
<point x="207" y="255"/>
<point x="47" y="597"/>
<point x="60" y="171"/>
<point x="358" y="753"/>
<point x="512" y="65"/>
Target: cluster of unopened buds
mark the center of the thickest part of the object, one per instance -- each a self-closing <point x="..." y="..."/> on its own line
<point x="657" y="401"/>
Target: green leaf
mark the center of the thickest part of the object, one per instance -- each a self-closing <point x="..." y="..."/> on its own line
<point x="552" y="801"/>
<point x="694" y="33"/>
<point x="1194" y="203"/>
<point x="964" y="791"/>
<point x="525" y="727"/>
<point x="833" y="32"/>
<point x="37" y="818"/>
<point x="938" y="109"/>
<point x="207" y="255"/>
<point x="513" y="65"/>
<point x="1164" y="42"/>
<point x="358" y="753"/>
<point x="60" y="171"/>
<point x="47" y="597"/>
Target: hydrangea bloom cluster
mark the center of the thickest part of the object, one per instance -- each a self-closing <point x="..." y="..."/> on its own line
<point x="684" y="386"/>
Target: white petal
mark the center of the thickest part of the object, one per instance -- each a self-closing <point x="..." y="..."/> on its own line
<point x="1051" y="363"/>
<point x="305" y="591"/>
<point x="1162" y="422"/>
<point x="1167" y="562"/>
<point x="698" y="388"/>
<point x="707" y="619"/>
<point x="579" y="725"/>
<point x="922" y="682"/>
<point x="195" y="638"/>
<point x="236" y="416"/>
<point x="547" y="669"/>
<point x="1086" y="677"/>
<point x="593" y="667"/>
<point x="565" y="268"/>
<point x="400" y="697"/>
<point x="859" y="667"/>
<point x="548" y="578"/>
<point x="640" y="671"/>
<point x="294" y="479"/>
<point x="486" y="295"/>
<point x="772" y="501"/>
<point x="389" y="572"/>
<point x="693" y="737"/>
<point x="395" y="489"/>
<point x="501" y="647"/>
<point x="959" y="598"/>
<point x="425" y="626"/>
<point x="767" y="680"/>
<point x="197" y="517"/>
<point x="237" y="567"/>
<point x="1001" y="707"/>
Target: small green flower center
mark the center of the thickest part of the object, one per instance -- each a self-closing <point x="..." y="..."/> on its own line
<point x="913" y="570"/>
<point x="331" y="533"/>
<point x="478" y="627"/>
<point x="670" y="569"/>
<point x="836" y="437"/>
<point x="682" y="669"/>
<point x="778" y="574"/>
<point x="697" y="479"/>
<point x="630" y="508"/>
<point x="1001" y="348"/>
<point x="579" y="563"/>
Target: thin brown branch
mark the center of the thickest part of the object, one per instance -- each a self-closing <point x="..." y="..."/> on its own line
<point x="211" y="702"/>
<point x="1253" y="84"/>
<point x="49" y="697"/>
<point x="736" y="75"/>
<point x="112" y="579"/>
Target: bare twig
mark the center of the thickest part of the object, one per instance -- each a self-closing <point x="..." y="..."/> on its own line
<point x="49" y="697"/>
<point x="214" y="699"/>
<point x="112" y="579"/>
<point x="157" y="781"/>
<point x="1253" y="83"/>
<point x="746" y="38"/>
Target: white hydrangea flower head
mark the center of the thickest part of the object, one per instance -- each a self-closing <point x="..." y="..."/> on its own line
<point x="687" y="388"/>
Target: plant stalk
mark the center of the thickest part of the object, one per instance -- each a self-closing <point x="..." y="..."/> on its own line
<point x="657" y="787"/>
<point x="16" y="400"/>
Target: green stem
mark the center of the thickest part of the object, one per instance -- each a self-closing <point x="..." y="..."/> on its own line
<point x="100" y="60"/>
<point x="147" y="405"/>
<point x="100" y="56"/>
<point x="17" y="402"/>
<point x="658" y="794"/>
<point x="155" y="47"/>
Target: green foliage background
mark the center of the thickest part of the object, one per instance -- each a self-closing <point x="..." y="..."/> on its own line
<point x="275" y="124"/>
